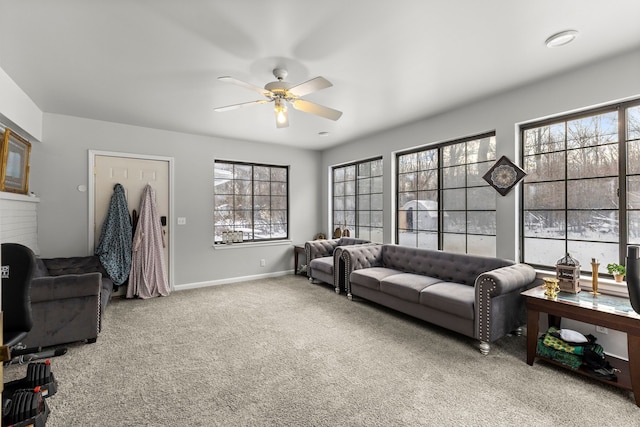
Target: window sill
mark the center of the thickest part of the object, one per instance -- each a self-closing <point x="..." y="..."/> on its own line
<point x="606" y="286"/>
<point x="226" y="247"/>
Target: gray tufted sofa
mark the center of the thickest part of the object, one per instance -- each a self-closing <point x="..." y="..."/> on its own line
<point x="473" y="295"/>
<point x="68" y="298"/>
<point x="323" y="259"/>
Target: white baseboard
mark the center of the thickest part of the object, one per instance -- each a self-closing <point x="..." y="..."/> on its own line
<point x="230" y="280"/>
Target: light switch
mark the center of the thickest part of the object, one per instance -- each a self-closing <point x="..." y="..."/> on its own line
<point x="182" y="220"/>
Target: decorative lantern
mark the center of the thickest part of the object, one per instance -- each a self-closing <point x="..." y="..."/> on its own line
<point x="568" y="274"/>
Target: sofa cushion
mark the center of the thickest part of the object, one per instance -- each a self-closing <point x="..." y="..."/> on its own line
<point x="74" y="265"/>
<point x="406" y="286"/>
<point x="448" y="266"/>
<point x="371" y="277"/>
<point x="454" y="298"/>
<point x="324" y="264"/>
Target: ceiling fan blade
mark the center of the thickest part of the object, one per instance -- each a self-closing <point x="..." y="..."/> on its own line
<point x="282" y="119"/>
<point x="310" y="86"/>
<point x="243" y="104"/>
<point x="245" y="85"/>
<point x="317" y="109"/>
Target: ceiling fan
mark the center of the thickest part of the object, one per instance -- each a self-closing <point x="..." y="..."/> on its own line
<point x="281" y="93"/>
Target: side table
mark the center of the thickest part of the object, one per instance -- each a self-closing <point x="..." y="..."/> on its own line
<point x="603" y="310"/>
<point x="297" y="250"/>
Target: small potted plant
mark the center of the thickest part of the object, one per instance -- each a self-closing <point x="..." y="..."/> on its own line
<point x="617" y="270"/>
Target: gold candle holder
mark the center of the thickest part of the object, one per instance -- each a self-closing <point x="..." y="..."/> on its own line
<point x="551" y="287"/>
<point x="594" y="276"/>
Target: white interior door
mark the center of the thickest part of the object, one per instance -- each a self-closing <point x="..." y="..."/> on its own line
<point x="133" y="174"/>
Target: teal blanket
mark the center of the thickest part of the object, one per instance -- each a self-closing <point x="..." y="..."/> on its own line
<point x="114" y="246"/>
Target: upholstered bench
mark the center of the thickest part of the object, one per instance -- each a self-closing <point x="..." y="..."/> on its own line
<point x="68" y="298"/>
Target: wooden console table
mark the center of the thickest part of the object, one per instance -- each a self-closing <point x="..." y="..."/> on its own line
<point x="602" y="310"/>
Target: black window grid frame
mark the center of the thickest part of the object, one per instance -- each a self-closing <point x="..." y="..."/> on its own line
<point x="356" y="225"/>
<point x="620" y="108"/>
<point x="253" y="211"/>
<point x="439" y="147"/>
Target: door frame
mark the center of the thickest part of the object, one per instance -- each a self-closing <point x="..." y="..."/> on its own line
<point x="91" y="190"/>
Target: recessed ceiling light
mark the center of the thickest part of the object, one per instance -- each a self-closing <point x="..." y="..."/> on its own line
<point x="562" y="38"/>
<point x="323" y="133"/>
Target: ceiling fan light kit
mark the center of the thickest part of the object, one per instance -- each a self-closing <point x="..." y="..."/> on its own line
<point x="282" y="119"/>
<point x="280" y="93"/>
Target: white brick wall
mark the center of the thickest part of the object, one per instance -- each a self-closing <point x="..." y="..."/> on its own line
<point x="19" y="220"/>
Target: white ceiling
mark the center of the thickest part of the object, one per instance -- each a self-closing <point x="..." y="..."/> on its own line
<point x="155" y="63"/>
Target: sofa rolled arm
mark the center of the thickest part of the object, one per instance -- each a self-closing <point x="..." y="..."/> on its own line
<point x="496" y="317"/>
<point x="356" y="257"/>
<point x="340" y="271"/>
<point x="318" y="249"/>
<point x="507" y="279"/>
<point x="50" y="288"/>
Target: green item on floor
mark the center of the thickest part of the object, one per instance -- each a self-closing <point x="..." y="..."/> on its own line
<point x="572" y="361"/>
<point x="558" y="344"/>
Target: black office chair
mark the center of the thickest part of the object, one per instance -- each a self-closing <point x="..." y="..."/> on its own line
<point x="23" y="399"/>
<point x="18" y="262"/>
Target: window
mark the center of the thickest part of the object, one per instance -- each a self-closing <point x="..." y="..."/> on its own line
<point x="357" y="199"/>
<point x="252" y="199"/>
<point x="442" y="200"/>
<point x="582" y="192"/>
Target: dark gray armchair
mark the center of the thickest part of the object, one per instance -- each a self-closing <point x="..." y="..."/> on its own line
<point x="68" y="298"/>
<point x="322" y="265"/>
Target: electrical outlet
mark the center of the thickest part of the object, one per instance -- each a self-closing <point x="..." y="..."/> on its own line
<point x="602" y="330"/>
<point x="182" y="220"/>
<point x="262" y="263"/>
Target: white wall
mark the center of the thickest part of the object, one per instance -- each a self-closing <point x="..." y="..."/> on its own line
<point x="18" y="111"/>
<point x="60" y="164"/>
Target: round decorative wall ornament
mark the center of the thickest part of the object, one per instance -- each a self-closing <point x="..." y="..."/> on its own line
<point x="504" y="175"/>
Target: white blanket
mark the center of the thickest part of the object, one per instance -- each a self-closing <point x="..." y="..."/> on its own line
<point x="148" y="276"/>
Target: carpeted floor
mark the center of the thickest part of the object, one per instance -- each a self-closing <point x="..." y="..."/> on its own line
<point x="283" y="352"/>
